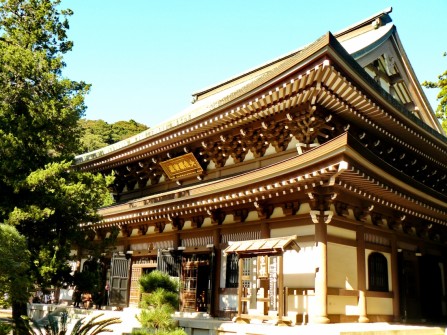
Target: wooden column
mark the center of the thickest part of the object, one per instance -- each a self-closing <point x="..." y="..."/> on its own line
<point x="395" y="279"/>
<point x="176" y="240"/>
<point x="281" y="289"/>
<point x="265" y="230"/>
<point x="318" y="217"/>
<point x="361" y="274"/>
<point x="217" y="266"/>
<point x="239" y="318"/>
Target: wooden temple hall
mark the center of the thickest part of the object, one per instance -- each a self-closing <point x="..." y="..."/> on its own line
<point x="311" y="189"/>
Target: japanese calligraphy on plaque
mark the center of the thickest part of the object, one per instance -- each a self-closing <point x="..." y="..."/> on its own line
<point x="263" y="266"/>
<point x="182" y="166"/>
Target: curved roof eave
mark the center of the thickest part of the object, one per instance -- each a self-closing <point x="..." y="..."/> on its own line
<point x="339" y="162"/>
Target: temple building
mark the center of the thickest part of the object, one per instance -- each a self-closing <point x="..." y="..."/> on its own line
<point x="311" y="189"/>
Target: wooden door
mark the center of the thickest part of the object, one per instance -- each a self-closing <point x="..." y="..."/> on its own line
<point x="119" y="280"/>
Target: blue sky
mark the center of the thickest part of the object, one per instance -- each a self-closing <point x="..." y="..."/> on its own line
<point x="144" y="58"/>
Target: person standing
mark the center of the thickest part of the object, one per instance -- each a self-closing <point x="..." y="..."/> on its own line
<point x="106" y="294"/>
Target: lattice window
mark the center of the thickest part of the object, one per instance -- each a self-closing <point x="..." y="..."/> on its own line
<point x="232" y="273"/>
<point x="378" y="272"/>
<point x="246" y="273"/>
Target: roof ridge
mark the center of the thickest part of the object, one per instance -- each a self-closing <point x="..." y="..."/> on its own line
<point x="364" y="22"/>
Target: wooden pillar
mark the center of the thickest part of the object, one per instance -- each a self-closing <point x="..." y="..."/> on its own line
<point x="280" y="289"/>
<point x="239" y="318"/>
<point x="361" y="276"/>
<point x="176" y="240"/>
<point x="265" y="230"/>
<point x="395" y="279"/>
<point x="217" y="266"/>
<point x="318" y="217"/>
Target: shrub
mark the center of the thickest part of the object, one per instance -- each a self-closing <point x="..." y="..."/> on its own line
<point x="157" y="279"/>
<point x="57" y="325"/>
<point x="5" y="328"/>
<point x="160" y="300"/>
<point x="160" y="297"/>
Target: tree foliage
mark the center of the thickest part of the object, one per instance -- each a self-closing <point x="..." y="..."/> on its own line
<point x="441" y="84"/>
<point x="13" y="266"/>
<point x="160" y="301"/>
<point x="98" y="133"/>
<point x="42" y="195"/>
<point x="56" y="323"/>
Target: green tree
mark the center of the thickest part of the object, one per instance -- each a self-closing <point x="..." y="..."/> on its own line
<point x="98" y="133"/>
<point x="14" y="264"/>
<point x="42" y="195"/>
<point x="441" y="84"/>
<point x="124" y="129"/>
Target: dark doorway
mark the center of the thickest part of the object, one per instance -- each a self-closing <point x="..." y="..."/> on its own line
<point x="431" y="288"/>
<point x="410" y="308"/>
<point x="195" y="283"/>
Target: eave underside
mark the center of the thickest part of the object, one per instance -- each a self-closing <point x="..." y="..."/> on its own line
<point x="335" y="167"/>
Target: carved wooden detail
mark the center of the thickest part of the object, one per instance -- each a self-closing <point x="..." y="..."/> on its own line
<point x="394" y="223"/>
<point x="217" y="216"/>
<point x="407" y="227"/>
<point x="278" y="135"/>
<point x="238" y="149"/>
<point x="142" y="229"/>
<point x="321" y="199"/>
<point x="264" y="210"/>
<point x="126" y="231"/>
<point x="177" y="223"/>
<point x="197" y="221"/>
<point x="101" y="233"/>
<point x="290" y="208"/>
<point x="376" y="219"/>
<point x="341" y="208"/>
<point x="256" y="142"/>
<point x="90" y="234"/>
<point x="160" y="227"/>
<point x="217" y="151"/>
<point x="240" y="215"/>
<point x="309" y="122"/>
<point x="362" y="213"/>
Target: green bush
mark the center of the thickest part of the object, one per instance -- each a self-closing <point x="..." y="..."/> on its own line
<point x="157" y="279"/>
<point x="160" y="297"/>
<point x="145" y="331"/>
<point x="5" y="328"/>
<point x="160" y="300"/>
<point x="56" y="324"/>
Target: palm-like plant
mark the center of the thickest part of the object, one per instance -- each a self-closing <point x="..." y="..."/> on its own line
<point x="53" y="325"/>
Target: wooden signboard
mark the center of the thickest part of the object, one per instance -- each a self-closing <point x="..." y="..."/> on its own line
<point x="273" y="283"/>
<point x="183" y="166"/>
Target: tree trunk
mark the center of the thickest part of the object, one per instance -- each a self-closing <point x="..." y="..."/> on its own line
<point x="19" y="309"/>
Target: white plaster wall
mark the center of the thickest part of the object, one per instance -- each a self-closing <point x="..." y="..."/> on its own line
<point x="379" y="306"/>
<point x="297" y="230"/>
<point x="301" y="304"/>
<point x="340" y="232"/>
<point x="304" y="209"/>
<point x="252" y="216"/>
<point x="299" y="267"/>
<point x="344" y="305"/>
<point x="277" y="213"/>
<point x="342" y="266"/>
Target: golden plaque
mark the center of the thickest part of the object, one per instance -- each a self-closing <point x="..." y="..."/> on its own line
<point x="183" y="166"/>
